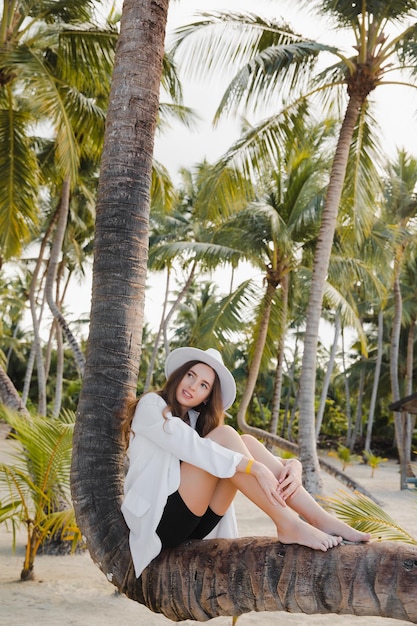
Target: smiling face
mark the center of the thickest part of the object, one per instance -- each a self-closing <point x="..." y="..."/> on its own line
<point x="195" y="387"/>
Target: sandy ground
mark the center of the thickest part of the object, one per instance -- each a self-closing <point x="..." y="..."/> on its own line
<point x="71" y="590"/>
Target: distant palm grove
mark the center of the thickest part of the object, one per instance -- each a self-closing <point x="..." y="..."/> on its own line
<point x="305" y="205"/>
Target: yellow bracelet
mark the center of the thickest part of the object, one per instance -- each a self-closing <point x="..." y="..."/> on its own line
<point x="249" y="465"/>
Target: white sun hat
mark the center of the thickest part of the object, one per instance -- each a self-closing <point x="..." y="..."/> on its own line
<point x="211" y="357"/>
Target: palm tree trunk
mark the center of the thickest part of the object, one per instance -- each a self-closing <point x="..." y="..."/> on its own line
<point x="59" y="372"/>
<point x="52" y="274"/>
<point x="327" y="377"/>
<point x="376" y="381"/>
<point x="294" y="410"/>
<point x="9" y="395"/>
<point x="347" y="391"/>
<point x="264" y="575"/>
<point x="119" y="281"/>
<point x="37" y="342"/>
<point x="28" y="374"/>
<point x="358" y="421"/>
<point x="411" y="419"/>
<point x="177" y="303"/>
<point x="286" y="411"/>
<point x="257" y="357"/>
<point x="399" y="416"/>
<point x="276" y="400"/>
<point x="307" y="438"/>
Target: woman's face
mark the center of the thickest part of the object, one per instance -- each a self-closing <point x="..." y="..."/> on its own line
<point x="196" y="386"/>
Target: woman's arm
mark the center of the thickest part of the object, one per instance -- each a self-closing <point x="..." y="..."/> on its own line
<point x="174" y="436"/>
<point x="266" y="479"/>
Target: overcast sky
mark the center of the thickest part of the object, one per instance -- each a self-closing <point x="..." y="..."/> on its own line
<point x="395" y="106"/>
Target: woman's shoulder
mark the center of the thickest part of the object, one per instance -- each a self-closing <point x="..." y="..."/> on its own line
<point x="151" y="398"/>
<point x="150" y="406"/>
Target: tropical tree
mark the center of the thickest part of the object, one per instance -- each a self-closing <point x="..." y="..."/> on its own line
<point x="56" y="66"/>
<point x="271" y="59"/>
<point x="378" y="363"/>
<point x="271" y="232"/>
<point x="47" y="55"/>
<point x="180" y="243"/>
<point x="35" y="493"/>
<point x="111" y="374"/>
<point x="119" y="277"/>
<point x="401" y="207"/>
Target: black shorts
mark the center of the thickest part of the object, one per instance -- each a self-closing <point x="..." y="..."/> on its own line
<point x="178" y="523"/>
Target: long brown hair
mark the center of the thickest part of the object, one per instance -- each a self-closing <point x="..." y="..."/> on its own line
<point x="211" y="413"/>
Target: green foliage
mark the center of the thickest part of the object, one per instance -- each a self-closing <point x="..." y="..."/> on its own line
<point x="285" y="454"/>
<point x="373" y="460"/>
<point x="362" y="513"/>
<point x="344" y="455"/>
<point x="35" y="487"/>
<point x="334" y="421"/>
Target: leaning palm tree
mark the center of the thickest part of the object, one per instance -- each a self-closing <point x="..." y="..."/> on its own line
<point x="272" y="59"/>
<point x="271" y="232"/>
<point x="178" y="583"/>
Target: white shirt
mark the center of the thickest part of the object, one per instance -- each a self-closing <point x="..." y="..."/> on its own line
<point x="156" y="447"/>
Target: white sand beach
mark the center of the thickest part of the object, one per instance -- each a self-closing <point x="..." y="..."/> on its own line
<point x="72" y="591"/>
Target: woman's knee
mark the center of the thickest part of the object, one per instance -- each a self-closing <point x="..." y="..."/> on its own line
<point x="224" y="434"/>
<point x="249" y="440"/>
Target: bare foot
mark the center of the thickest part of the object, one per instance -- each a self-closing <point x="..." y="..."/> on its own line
<point x="335" y="526"/>
<point x="298" y="531"/>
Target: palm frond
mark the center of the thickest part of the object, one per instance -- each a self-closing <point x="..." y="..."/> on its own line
<point x="42" y="457"/>
<point x="229" y="314"/>
<point x="18" y="165"/>
<point x="163" y="195"/>
<point x="60" y="10"/>
<point x="263" y="80"/>
<point x="335" y="299"/>
<point x="173" y="113"/>
<point x="210" y="253"/>
<point x="348" y="13"/>
<point x="362" y="513"/>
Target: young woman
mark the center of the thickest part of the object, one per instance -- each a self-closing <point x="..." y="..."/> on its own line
<point x="185" y="466"/>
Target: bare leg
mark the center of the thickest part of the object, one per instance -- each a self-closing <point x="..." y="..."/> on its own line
<point x="301" y="501"/>
<point x="290" y="528"/>
<point x="199" y="489"/>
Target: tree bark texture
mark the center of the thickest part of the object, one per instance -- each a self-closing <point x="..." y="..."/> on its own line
<point x="119" y="278"/>
<point x="9" y="395"/>
<point x="307" y="432"/>
<point x="255" y="363"/>
<point x="206" y="579"/>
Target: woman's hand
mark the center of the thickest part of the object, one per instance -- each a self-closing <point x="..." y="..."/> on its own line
<point x="290" y="478"/>
<point x="268" y="483"/>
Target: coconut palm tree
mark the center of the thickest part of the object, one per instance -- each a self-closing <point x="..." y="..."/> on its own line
<point x="56" y="66"/>
<point x="111" y="374"/>
<point x="179" y="243"/>
<point x="401" y="208"/>
<point x="35" y="483"/>
<point x="272" y="59"/>
<point x="119" y="272"/>
<point x="48" y="53"/>
<point x="271" y="232"/>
